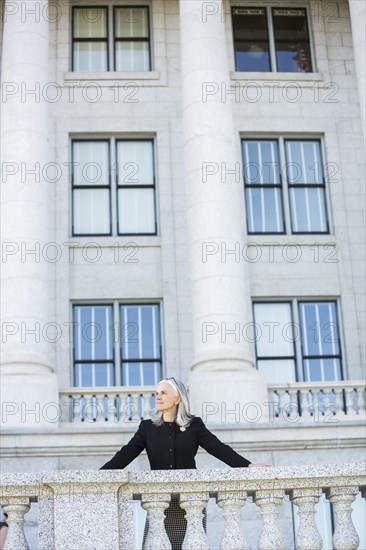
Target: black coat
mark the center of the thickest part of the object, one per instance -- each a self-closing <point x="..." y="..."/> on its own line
<point x="168" y="447"/>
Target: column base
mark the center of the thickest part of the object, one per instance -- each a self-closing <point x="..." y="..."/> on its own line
<point x="233" y="393"/>
<point x="29" y="399"/>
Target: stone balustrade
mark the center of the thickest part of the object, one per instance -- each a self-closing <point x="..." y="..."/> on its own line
<point x="94" y="405"/>
<point x="94" y="510"/>
<point x="344" y="399"/>
<point x="332" y="401"/>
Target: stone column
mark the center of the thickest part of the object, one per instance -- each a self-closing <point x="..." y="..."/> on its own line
<point x="357" y="10"/>
<point x="28" y="380"/>
<point x="222" y="369"/>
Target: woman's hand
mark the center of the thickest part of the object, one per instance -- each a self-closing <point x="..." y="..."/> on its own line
<point x="260" y="465"/>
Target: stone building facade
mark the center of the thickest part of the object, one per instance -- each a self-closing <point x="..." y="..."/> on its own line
<point x="183" y="195"/>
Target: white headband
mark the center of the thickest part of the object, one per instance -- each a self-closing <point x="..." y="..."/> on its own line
<point x="172" y="385"/>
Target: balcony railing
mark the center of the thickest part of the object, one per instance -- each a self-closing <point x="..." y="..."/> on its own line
<point x="94" y="510"/>
<point x="302" y="401"/>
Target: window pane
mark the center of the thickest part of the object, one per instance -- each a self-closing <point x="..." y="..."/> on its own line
<point x="135" y="163"/>
<point x="322" y="370"/>
<point x="141" y="374"/>
<point x="319" y="327"/>
<point x="292" y="40"/>
<point x="293" y="57"/>
<point x="131" y="23"/>
<point x="251" y="39"/>
<point x="132" y="56"/>
<point x="275" y="330"/>
<point x="304" y="162"/>
<point x="278" y="371"/>
<point x="290" y="24"/>
<point x="90" y="56"/>
<point x="94" y="374"/>
<point x="91" y="163"/>
<point x="140" y="332"/>
<point x="250" y="23"/>
<point x="91" y="212"/>
<point x="136" y="211"/>
<point x="308" y="212"/>
<point x="90" y="23"/>
<point x="252" y="56"/>
<point x="264" y="210"/>
<point x="261" y="164"/>
<point x="93" y="338"/>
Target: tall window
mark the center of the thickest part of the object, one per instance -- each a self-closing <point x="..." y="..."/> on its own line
<point x="111" y="38"/>
<point x="132" y="39"/>
<point x="117" y="344"/>
<point x="274" y="39"/>
<point x="284" y="172"/>
<point x="113" y="187"/>
<point x="298" y="341"/>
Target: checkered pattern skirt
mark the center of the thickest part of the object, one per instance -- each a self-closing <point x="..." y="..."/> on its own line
<point x="175" y="524"/>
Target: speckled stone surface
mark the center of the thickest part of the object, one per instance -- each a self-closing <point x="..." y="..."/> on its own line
<point x="92" y="510"/>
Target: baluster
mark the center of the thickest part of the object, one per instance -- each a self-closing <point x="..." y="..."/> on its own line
<point x="304" y="404"/>
<point x="156" y="539"/>
<point x="339" y="409"/>
<point x="16" y="508"/>
<point x="308" y="536"/>
<point x="293" y="405"/>
<point x="146" y="409"/>
<point x="196" y="538"/>
<point x="117" y="408"/>
<point x="345" y="536"/>
<point x="279" y="402"/>
<point x="232" y="537"/>
<point x="351" y="401"/>
<point x="270" y="537"/>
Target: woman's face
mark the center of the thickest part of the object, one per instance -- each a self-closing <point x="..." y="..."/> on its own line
<point x="166" y="398"/>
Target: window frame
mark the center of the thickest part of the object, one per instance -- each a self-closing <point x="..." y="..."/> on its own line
<point x="76" y="362"/>
<point x="308" y="186"/>
<point x="298" y="342"/>
<point x="113" y="183"/>
<point x="138" y="39"/>
<point x="104" y="40"/>
<point x="117" y="343"/>
<point x="136" y="186"/>
<point x="121" y="359"/>
<point x="110" y="8"/>
<point x="279" y="186"/>
<point x="91" y="187"/>
<point x="285" y="187"/>
<point x="271" y="36"/>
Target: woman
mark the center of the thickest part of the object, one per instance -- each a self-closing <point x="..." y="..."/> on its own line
<point x="171" y="439"/>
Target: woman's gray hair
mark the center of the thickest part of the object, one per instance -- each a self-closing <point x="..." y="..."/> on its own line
<point x="184" y="417"/>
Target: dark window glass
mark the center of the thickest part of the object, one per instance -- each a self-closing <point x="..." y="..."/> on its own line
<point x="251" y="39"/>
<point x="291" y="40"/>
